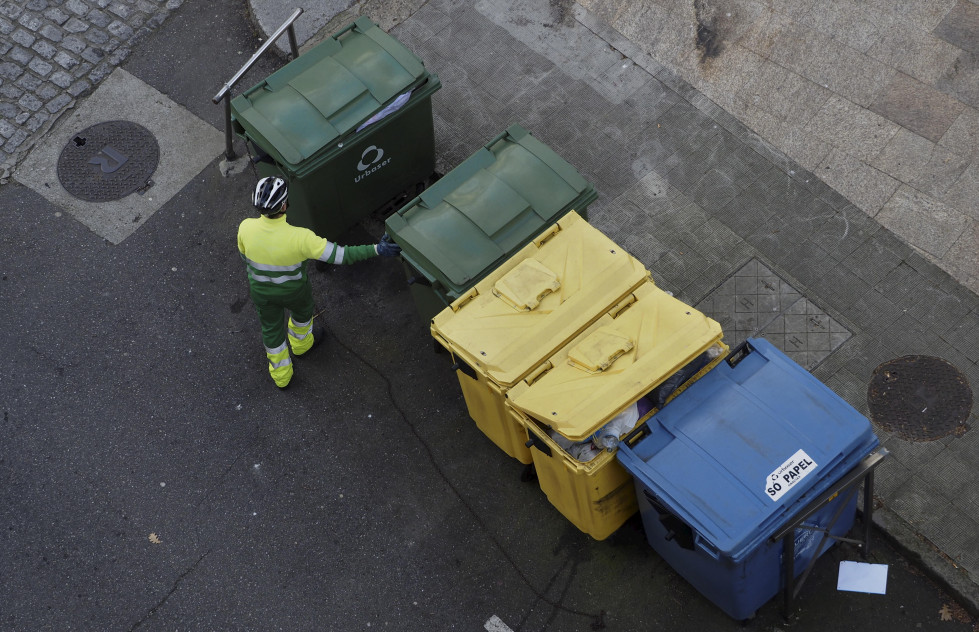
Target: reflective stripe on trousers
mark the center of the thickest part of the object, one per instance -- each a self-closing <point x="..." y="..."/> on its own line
<point x="280" y="364"/>
<point x="300" y="336"/>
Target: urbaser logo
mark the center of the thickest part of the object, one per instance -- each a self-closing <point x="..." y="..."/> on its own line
<point x="370" y="161"/>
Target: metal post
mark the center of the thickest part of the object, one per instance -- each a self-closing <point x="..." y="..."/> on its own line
<point x="229" y="147"/>
<point x="293" y="45"/>
<point x="788" y="555"/>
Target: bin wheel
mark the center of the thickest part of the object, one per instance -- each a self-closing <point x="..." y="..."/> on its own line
<point x="430" y="180"/>
<point x="529" y="473"/>
<point x="747" y="620"/>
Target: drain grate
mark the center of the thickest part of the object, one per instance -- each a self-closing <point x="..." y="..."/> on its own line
<point x="919" y="398"/>
<point x="755" y="301"/>
<point x="108" y="161"/>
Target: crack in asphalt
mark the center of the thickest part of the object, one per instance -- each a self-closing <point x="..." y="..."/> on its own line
<point x="176" y="584"/>
<point x="597" y="619"/>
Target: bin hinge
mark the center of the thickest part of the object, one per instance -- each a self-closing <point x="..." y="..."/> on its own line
<point x="537" y="442"/>
<point x="739" y="353"/>
<point x="460" y="365"/>
<point x="420" y="280"/>
<point x="465" y="298"/>
<point x="538" y="373"/>
<point x="554" y="229"/>
<point x="622" y="306"/>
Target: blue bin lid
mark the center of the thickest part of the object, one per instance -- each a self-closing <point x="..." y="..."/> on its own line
<point x="743" y="449"/>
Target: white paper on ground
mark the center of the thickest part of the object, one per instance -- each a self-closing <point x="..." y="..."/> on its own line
<point x="862" y="577"/>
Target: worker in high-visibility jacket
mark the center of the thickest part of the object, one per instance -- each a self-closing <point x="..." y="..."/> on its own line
<point x="275" y="254"/>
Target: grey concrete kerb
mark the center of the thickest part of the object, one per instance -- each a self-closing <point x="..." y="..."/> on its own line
<point x="955" y="580"/>
<point x="321" y="19"/>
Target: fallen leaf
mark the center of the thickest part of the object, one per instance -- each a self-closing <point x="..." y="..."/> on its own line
<point x="155" y="539"/>
<point x="945" y="612"/>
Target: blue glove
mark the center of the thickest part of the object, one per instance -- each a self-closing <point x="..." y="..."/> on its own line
<point x="387" y="248"/>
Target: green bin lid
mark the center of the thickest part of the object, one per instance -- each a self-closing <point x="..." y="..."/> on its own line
<point x="325" y="93"/>
<point x="488" y="207"/>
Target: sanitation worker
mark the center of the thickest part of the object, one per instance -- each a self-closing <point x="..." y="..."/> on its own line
<point x="275" y="254"/>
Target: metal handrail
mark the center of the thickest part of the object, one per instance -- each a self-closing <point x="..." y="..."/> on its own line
<point x="225" y="92"/>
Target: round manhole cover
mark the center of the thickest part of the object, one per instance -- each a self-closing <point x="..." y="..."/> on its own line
<point x="919" y="398"/>
<point x="108" y="161"/>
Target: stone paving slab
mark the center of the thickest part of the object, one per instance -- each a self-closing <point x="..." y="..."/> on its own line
<point x="963" y="136"/>
<point x="868" y="188"/>
<point x="917" y="107"/>
<point x="936" y="226"/>
<point x="905" y="157"/>
<point x="960" y="27"/>
<point x="913" y="51"/>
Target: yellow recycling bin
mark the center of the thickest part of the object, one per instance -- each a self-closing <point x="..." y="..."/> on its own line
<point x="621" y="357"/>
<point x="526" y="309"/>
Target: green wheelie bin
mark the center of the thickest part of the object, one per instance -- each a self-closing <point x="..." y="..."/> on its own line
<point x="348" y="125"/>
<point x="480" y="213"/>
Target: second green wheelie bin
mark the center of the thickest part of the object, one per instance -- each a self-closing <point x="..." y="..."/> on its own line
<point x="347" y="124"/>
<point x="480" y="213"/>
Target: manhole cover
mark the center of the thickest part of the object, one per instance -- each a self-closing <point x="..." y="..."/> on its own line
<point x="108" y="161"/>
<point x="919" y="398"/>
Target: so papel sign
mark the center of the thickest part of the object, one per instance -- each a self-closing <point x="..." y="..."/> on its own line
<point x="789" y="474"/>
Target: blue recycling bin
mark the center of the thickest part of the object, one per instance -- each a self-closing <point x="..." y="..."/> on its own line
<point x="735" y="457"/>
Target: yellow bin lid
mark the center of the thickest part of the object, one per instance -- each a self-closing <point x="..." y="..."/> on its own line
<point x="538" y="299"/>
<point x="618" y="359"/>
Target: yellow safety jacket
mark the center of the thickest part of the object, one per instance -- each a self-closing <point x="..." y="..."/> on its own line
<point x="275" y="252"/>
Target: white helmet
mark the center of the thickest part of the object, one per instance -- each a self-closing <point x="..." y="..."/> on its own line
<point x="269" y="194"/>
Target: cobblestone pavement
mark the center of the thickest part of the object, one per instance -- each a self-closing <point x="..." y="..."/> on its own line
<point x="55" y="51"/>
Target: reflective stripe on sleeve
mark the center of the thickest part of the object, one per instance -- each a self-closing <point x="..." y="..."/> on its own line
<point x="336" y="253"/>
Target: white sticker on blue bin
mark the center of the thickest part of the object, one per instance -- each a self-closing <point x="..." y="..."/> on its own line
<point x="788" y="475"/>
